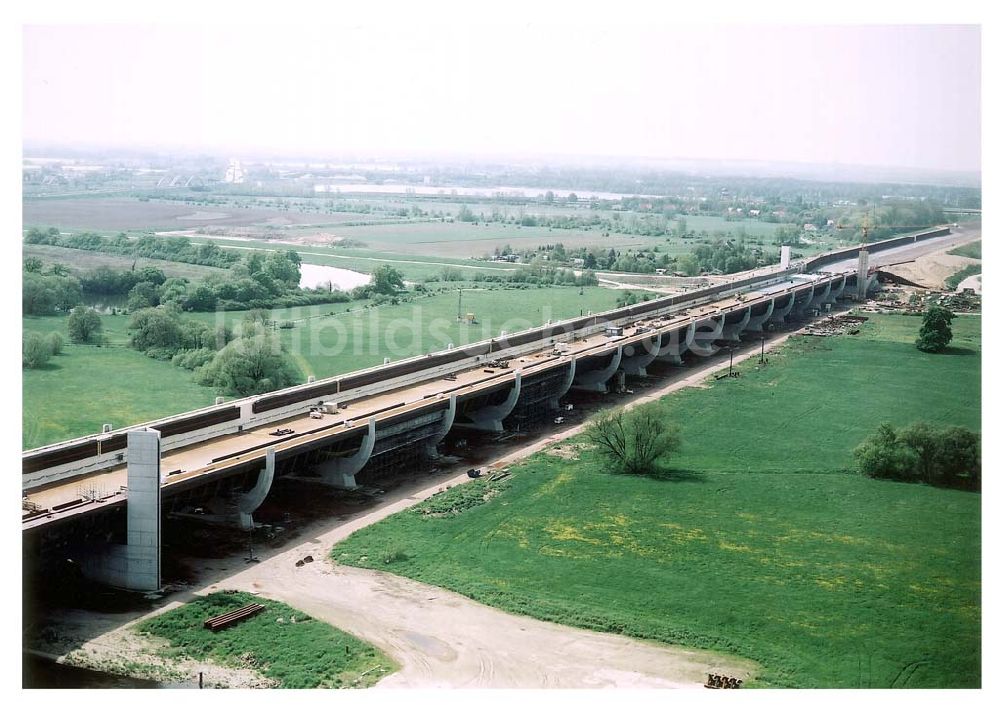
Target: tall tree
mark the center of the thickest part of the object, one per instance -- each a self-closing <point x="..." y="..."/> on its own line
<point x="935" y="333"/>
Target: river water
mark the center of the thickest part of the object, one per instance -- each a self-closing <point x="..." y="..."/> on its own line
<point x="314" y="275"/>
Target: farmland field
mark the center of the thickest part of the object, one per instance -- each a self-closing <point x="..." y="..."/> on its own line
<point x="764" y="542"/>
<point x="81" y="261"/>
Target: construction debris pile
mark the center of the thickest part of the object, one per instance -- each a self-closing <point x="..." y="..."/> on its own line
<point x="914" y="301"/>
<point x="836" y="325"/>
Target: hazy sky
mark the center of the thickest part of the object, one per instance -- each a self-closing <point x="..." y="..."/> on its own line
<point x="890" y="95"/>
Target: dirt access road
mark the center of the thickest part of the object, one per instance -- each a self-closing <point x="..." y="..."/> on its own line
<point x="930" y="270"/>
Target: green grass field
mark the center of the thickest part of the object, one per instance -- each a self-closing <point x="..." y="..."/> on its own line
<point x="962" y="274"/>
<point x="354" y="337"/>
<point x="973" y="250"/>
<point x="765" y="543"/>
<point x="86" y="386"/>
<point x="304" y="654"/>
<point x="75" y="393"/>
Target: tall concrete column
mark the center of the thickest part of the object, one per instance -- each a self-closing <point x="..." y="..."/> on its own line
<point x="758" y="319"/>
<point x="135" y="565"/>
<point x="251" y="500"/>
<point x="339" y="472"/>
<point x="863" y="284"/>
<point x="596" y="380"/>
<point x="642" y="355"/>
<point x="143" y="510"/>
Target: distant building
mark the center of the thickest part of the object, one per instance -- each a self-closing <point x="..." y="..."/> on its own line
<point x="235" y="173"/>
<point x="810" y="227"/>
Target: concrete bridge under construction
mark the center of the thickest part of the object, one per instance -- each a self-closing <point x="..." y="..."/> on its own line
<point x="106" y="494"/>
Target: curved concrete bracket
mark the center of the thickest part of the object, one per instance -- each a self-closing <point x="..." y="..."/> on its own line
<point x="780" y="312"/>
<point x="870" y="282"/>
<point x="564" y="387"/>
<point x="802" y="302"/>
<point x="251" y="500"/>
<point x="837" y="291"/>
<point x="703" y="343"/>
<point x="339" y="472"/>
<point x="732" y="328"/>
<point x="596" y="380"/>
<point x="823" y="296"/>
<point x="677" y="343"/>
<point x="447" y="420"/>
<point x="490" y="419"/>
<point x="756" y="323"/>
<point x="636" y="364"/>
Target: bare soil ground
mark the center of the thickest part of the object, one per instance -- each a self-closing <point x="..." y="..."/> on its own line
<point x="930" y="270"/>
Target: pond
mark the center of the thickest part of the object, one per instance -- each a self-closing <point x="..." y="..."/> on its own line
<point x="314" y="275"/>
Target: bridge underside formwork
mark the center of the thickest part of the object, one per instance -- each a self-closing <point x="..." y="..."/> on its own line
<point x="538" y="399"/>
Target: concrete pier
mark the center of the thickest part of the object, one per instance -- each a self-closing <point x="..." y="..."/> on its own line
<point x="596" y="380"/>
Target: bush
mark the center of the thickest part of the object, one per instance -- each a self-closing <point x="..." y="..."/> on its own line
<point x="84" y="325"/>
<point x="634" y="442"/>
<point x="250" y="365"/>
<point x="55" y="341"/>
<point x="949" y="457"/>
<point x="35" y="351"/>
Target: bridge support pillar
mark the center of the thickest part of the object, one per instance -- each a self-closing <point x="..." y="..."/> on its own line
<point x="734" y="326"/>
<point x="490" y="419"/>
<point x="564" y="387"/>
<point x="596" y="380"/>
<point x="339" y="472"/>
<point x="251" y="500"/>
<point x="757" y="321"/>
<point x="447" y="420"/>
<point x="803" y="302"/>
<point x="780" y="312"/>
<point x="701" y="341"/>
<point x="837" y="291"/>
<point x="822" y="296"/>
<point x="135" y="565"/>
<point x="675" y="346"/>
<point x="635" y="363"/>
